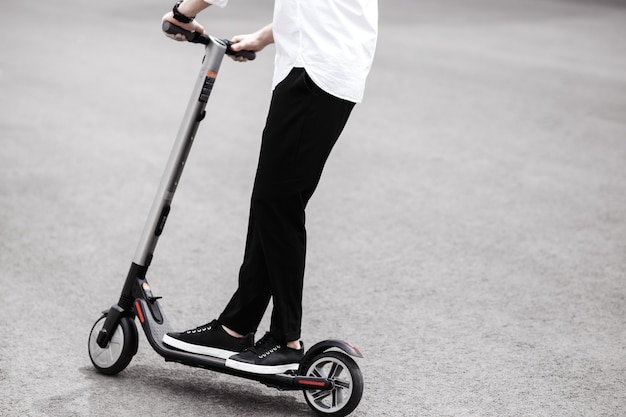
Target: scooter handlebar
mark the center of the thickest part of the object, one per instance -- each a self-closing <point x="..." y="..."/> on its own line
<point x="196" y="37"/>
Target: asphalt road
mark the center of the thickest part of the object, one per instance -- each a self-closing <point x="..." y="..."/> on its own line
<point x="469" y="234"/>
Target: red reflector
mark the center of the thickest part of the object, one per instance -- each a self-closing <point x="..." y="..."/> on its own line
<point x="311" y="383"/>
<point x="356" y="349"/>
<point x="139" y="312"/>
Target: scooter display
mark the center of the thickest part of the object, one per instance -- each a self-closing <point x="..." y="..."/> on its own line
<point x="328" y="375"/>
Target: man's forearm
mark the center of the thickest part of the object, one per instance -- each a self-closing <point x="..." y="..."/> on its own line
<point x="266" y="35"/>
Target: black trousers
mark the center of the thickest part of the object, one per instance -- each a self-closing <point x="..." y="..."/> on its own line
<point x="302" y="127"/>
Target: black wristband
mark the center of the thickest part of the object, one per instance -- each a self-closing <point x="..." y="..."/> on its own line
<point x="179" y="16"/>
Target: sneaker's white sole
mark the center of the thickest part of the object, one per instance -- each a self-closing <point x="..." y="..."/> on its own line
<point x="261" y="369"/>
<point x="201" y="350"/>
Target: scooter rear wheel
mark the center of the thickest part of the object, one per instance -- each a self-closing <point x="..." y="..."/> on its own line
<point x="116" y="356"/>
<point x="346" y="394"/>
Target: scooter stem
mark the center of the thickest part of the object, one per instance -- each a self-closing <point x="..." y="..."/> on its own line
<point x="194" y="114"/>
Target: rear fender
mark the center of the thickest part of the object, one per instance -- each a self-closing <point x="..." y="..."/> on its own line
<point x="323" y="346"/>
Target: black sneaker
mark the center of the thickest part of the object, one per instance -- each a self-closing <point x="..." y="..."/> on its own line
<point x="210" y="339"/>
<point x="267" y="357"/>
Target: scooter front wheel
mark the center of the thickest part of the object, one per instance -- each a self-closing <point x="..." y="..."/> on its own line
<point x="118" y="353"/>
<point x="347" y="391"/>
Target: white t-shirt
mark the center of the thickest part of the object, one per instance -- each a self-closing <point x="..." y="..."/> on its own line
<point x="333" y="40"/>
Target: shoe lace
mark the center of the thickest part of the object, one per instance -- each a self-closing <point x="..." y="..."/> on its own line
<point x="202" y="328"/>
<point x="265" y="346"/>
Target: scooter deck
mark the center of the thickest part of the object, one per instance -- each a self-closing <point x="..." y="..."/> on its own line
<point x="155" y="330"/>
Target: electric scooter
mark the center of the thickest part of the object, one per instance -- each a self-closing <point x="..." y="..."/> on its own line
<point x="328" y="375"/>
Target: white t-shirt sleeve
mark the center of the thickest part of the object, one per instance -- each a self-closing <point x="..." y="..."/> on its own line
<point x="218" y="3"/>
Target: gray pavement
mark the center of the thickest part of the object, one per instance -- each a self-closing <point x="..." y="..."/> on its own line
<point x="469" y="234"/>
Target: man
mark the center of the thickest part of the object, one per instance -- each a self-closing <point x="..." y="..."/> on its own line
<point x="324" y="51"/>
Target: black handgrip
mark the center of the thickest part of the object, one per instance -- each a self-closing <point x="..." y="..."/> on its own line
<point x="196" y="37"/>
<point x="249" y="55"/>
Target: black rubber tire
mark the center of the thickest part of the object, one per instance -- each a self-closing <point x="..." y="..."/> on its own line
<point x="348" y="390"/>
<point x="116" y="356"/>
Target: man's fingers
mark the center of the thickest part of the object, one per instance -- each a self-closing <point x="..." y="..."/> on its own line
<point x="236" y="45"/>
<point x="176" y="37"/>
<point x="238" y="58"/>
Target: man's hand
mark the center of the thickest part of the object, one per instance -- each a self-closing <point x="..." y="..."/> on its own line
<point x="252" y="41"/>
<point x="192" y="26"/>
<point x="188" y="8"/>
